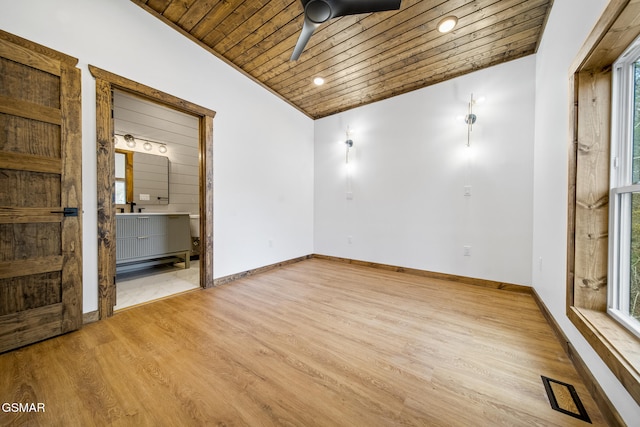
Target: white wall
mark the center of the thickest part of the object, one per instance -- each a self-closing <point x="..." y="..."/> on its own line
<point x="411" y="165"/>
<point x="263" y="148"/>
<point x="568" y="26"/>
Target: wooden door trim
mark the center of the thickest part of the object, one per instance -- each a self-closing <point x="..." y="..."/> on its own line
<point x="39" y="56"/>
<point x="106" y="82"/>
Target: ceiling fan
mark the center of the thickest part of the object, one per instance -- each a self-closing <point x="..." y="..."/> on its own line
<point x="317" y="12"/>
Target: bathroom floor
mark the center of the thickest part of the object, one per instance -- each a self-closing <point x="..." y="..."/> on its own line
<point x="137" y="287"/>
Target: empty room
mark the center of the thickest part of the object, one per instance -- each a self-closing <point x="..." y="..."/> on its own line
<point x="319" y="212"/>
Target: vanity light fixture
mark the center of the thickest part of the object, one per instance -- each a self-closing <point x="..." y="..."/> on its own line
<point x="318" y="81"/>
<point x="447" y="24"/>
<point x="130" y="140"/>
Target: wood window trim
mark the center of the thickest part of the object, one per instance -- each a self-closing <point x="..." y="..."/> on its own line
<point x="587" y="249"/>
<point x="106" y="82"/>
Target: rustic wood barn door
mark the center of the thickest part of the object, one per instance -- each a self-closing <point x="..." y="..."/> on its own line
<point x="40" y="193"/>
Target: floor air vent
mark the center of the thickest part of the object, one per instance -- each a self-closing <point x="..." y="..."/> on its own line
<point x="564" y="398"/>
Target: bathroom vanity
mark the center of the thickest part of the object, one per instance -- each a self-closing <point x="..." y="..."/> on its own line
<point x="144" y="239"/>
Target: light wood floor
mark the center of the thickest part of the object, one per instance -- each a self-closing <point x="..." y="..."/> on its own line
<point x="316" y="343"/>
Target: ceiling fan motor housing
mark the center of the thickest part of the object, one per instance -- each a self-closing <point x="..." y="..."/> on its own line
<point x="318" y="11"/>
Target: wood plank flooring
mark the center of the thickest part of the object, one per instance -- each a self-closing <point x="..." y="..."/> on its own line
<point x="316" y="343"/>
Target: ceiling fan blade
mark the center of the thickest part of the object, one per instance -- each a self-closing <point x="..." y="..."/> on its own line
<point x="355" y="7"/>
<point x="307" y="30"/>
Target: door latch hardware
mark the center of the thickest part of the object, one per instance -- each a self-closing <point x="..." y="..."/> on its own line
<point x="68" y="212"/>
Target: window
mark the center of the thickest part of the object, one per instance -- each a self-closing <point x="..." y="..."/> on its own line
<point x="121" y="182"/>
<point x="123" y="177"/>
<point x="623" y="301"/>
<point x="598" y="174"/>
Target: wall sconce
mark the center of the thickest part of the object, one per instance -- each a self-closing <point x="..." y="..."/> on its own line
<point x="471" y="118"/>
<point x="349" y="166"/>
<point x="348" y="143"/>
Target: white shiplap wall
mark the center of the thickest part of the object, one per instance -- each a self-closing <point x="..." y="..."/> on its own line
<point x="148" y="121"/>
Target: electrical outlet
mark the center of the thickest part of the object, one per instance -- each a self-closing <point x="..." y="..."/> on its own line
<point x="467" y="191"/>
<point x="349" y="239"/>
<point x="466" y="250"/>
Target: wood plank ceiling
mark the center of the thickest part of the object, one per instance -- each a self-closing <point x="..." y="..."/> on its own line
<point x="363" y="58"/>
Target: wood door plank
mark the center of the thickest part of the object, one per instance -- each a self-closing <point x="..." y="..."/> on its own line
<point x="30" y="110"/>
<point x="19" y="268"/>
<point x="25" y="327"/>
<point x="31" y="163"/>
<point x="71" y="197"/>
<point x="14" y="215"/>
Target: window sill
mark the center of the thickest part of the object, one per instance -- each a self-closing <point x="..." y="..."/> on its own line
<point x="617" y="347"/>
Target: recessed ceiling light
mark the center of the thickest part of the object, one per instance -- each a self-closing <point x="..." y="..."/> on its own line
<point x="447" y="24"/>
<point x="319" y="81"/>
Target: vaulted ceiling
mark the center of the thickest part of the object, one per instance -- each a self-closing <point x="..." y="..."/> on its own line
<point x="362" y="58"/>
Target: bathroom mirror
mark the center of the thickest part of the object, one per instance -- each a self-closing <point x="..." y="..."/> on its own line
<point x="150" y="179"/>
<point x="141" y="178"/>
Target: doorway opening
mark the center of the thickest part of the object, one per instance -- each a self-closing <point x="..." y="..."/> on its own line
<point x="109" y="87"/>
<point x="157" y="191"/>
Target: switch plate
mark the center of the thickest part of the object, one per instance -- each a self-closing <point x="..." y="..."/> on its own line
<point x="467" y="190"/>
<point x="349" y="195"/>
